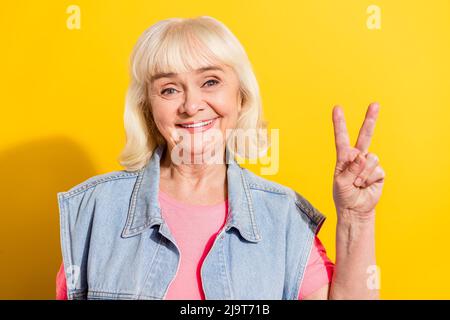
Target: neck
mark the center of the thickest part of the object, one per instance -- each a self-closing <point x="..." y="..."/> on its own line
<point x="191" y="176"/>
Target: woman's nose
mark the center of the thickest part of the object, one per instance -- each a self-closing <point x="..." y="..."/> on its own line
<point x="193" y="102"/>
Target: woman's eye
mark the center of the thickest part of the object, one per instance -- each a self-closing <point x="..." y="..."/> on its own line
<point x="209" y="81"/>
<point x="162" y="92"/>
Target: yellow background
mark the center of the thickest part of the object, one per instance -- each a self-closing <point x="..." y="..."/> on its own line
<point x="62" y="94"/>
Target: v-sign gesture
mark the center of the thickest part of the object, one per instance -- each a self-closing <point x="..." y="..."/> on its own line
<point x="358" y="177"/>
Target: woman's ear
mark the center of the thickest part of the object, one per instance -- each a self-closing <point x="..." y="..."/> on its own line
<point x="240" y="101"/>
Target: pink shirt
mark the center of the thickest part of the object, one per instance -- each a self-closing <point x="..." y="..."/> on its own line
<point x="195" y="228"/>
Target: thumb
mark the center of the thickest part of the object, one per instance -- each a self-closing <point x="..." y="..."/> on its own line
<point x="354" y="169"/>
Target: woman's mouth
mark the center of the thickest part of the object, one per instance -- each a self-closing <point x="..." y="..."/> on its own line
<point x="198" y="126"/>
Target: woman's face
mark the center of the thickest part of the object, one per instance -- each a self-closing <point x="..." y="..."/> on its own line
<point x="194" y="110"/>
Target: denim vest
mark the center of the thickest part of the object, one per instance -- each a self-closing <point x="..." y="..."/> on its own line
<point x="116" y="245"/>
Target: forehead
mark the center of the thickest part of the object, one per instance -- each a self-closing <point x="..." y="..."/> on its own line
<point x="219" y="68"/>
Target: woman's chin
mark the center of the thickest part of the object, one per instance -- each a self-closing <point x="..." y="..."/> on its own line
<point x="200" y="154"/>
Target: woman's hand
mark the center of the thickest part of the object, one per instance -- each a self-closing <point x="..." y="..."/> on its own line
<point x="358" y="177"/>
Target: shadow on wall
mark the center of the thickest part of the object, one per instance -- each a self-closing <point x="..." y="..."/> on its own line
<point x="32" y="174"/>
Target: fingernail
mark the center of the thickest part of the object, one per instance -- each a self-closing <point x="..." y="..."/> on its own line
<point x="358" y="181"/>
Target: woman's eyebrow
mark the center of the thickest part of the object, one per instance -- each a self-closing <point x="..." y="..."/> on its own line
<point x="172" y="74"/>
<point x="209" y="68"/>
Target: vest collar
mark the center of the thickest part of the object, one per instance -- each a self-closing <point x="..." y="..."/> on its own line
<point x="144" y="210"/>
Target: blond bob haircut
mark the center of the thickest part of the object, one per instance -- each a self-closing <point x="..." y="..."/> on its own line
<point x="181" y="45"/>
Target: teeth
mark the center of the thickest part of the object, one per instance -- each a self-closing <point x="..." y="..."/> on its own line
<point x="196" y="125"/>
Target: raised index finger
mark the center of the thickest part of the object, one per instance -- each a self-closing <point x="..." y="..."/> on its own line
<point x="366" y="131"/>
<point x="341" y="138"/>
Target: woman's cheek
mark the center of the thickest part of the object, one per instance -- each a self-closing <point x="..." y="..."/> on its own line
<point x="162" y="126"/>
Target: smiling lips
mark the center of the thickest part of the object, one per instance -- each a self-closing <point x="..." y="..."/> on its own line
<point x="198" y="126"/>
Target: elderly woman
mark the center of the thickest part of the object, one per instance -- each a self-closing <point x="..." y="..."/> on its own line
<point x="184" y="220"/>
